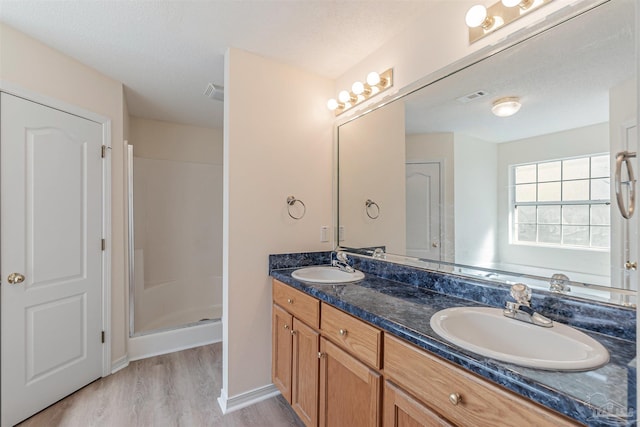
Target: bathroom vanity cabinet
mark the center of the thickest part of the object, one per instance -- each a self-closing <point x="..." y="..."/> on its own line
<point x="336" y="369"/>
<point x="296" y="344"/>
<point x="459" y="396"/>
<point x="350" y="359"/>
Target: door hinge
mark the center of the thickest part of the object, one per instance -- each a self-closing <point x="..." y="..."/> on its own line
<point x="102" y="337"/>
<point x="104" y="244"/>
<point x="104" y="151"/>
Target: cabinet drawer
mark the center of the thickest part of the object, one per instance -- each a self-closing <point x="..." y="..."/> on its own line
<point x="360" y="339"/>
<point x="480" y="403"/>
<point x="301" y="305"/>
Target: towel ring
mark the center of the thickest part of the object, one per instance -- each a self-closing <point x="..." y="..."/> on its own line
<point x="292" y="201"/>
<point x="368" y="207"/>
<point x="625" y="156"/>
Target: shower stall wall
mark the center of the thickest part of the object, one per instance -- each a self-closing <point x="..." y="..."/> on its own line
<point x="177" y="226"/>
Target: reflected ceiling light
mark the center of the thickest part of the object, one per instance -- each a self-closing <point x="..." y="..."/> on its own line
<point x="505" y="107"/>
<point x="483" y="21"/>
<point x="360" y="92"/>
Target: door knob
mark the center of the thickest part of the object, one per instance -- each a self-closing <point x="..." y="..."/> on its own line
<point x="15" y="278"/>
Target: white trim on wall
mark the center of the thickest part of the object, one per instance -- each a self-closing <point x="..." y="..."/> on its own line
<point x="230" y="404"/>
<point x="169" y="341"/>
<point x="21" y="92"/>
<point x="119" y="364"/>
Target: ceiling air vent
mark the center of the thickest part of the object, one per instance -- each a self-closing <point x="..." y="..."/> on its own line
<point x="214" y="92"/>
<point x="472" y="96"/>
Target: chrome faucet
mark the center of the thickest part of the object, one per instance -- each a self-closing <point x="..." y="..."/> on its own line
<point x="378" y="253"/>
<point x="559" y="283"/>
<point x="521" y="309"/>
<point x="342" y="262"/>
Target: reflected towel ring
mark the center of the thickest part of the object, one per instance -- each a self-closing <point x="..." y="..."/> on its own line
<point x="292" y="201"/>
<point x="625" y="156"/>
<point x="368" y="204"/>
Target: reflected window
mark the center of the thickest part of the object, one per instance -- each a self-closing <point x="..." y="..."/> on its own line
<point x="563" y="202"/>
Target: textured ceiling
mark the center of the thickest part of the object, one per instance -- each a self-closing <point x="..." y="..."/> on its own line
<point x="165" y="52"/>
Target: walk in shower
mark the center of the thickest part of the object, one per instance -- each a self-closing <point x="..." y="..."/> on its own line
<point x="175" y="226"/>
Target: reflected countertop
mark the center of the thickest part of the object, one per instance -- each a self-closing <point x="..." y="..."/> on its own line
<point x="596" y="398"/>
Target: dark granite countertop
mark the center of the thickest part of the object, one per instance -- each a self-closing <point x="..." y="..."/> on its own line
<point x="596" y="398"/>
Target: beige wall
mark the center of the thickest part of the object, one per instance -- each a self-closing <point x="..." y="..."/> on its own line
<point x="30" y="64"/>
<point x="476" y="205"/>
<point x="278" y="142"/>
<point x="178" y="223"/>
<point x="155" y="139"/>
<point x="372" y="166"/>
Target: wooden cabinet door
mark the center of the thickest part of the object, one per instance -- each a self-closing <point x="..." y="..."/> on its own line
<point x="349" y="389"/>
<point x="306" y="367"/>
<point x="282" y="349"/>
<point x="402" y="410"/>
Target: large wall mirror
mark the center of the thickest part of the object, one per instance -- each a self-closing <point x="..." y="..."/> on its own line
<point x="436" y="176"/>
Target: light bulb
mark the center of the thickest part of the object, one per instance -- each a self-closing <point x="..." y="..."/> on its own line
<point x="332" y="104"/>
<point x="357" y="88"/>
<point x="344" y="96"/>
<point x="373" y="78"/>
<point x="511" y="3"/>
<point x="476" y="16"/>
<point x="505" y="107"/>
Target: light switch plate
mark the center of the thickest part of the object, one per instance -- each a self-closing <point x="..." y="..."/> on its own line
<point x="324" y="233"/>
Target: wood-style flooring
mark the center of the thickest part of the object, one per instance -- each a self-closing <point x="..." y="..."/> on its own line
<point x="177" y="389"/>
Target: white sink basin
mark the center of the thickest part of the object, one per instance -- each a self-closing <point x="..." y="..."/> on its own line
<point x="326" y="275"/>
<point x="487" y="332"/>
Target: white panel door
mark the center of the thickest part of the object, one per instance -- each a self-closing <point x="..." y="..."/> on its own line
<point x="423" y="211"/>
<point x="50" y="234"/>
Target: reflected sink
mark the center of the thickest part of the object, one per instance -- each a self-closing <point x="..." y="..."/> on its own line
<point x="487" y="332"/>
<point x="326" y="275"/>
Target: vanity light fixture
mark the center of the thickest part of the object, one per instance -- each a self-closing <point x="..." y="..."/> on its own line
<point x="483" y="21"/>
<point x="505" y="107"/>
<point x="360" y="92"/>
<point x="477" y="17"/>
<point x="522" y="4"/>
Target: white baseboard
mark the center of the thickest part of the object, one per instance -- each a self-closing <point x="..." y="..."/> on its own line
<point x="119" y="364"/>
<point x="230" y="404"/>
<point x="164" y="342"/>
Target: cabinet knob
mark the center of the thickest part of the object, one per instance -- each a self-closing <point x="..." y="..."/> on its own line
<point x="455" y="398"/>
<point x="286" y="326"/>
<point x="631" y="265"/>
<point x="290" y="300"/>
<point x="293" y="332"/>
<point x="321" y="355"/>
<point x="343" y="332"/>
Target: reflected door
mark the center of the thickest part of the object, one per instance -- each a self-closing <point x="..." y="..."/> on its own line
<point x="51" y="255"/>
<point x="423" y="211"/>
